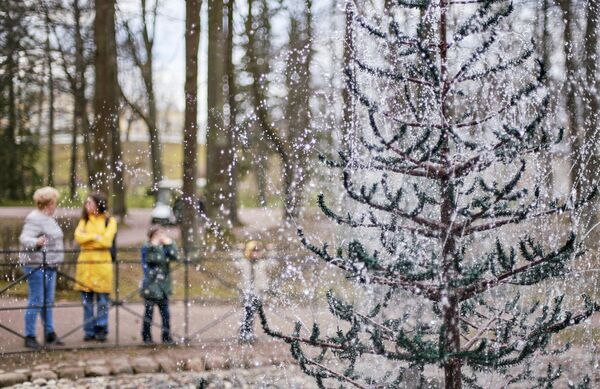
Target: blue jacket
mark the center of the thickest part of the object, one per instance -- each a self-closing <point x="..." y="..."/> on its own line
<point x="155" y="264"/>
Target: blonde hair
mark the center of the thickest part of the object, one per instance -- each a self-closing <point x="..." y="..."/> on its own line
<point x="44" y="196"/>
<point x="252" y="245"/>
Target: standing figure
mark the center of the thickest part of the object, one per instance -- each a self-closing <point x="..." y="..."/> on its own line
<point x="254" y="276"/>
<point x="95" y="234"/>
<point x="157" y="253"/>
<point x="41" y="252"/>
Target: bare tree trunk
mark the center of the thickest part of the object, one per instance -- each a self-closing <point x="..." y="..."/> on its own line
<point x="299" y="134"/>
<point x="219" y="153"/>
<point x="546" y="51"/>
<point x="118" y="167"/>
<point x="348" y="125"/>
<point x="451" y="307"/>
<point x="189" y="225"/>
<point x="232" y="115"/>
<point x="570" y="96"/>
<point x="144" y="61"/>
<point x="14" y="183"/>
<point x="107" y="141"/>
<point x="272" y="134"/>
<point x="591" y="131"/>
<point x="50" y="143"/>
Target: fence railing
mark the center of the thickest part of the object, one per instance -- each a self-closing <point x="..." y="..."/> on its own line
<point x="197" y="281"/>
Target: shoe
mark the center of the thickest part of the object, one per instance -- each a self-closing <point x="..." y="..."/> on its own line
<point x="168" y="340"/>
<point x="101" y="334"/>
<point x="30" y="342"/>
<point x="52" y="339"/>
<point x="89" y="338"/>
<point x="148" y="342"/>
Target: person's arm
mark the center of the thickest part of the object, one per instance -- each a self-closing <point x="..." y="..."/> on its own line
<point x="105" y="239"/>
<point x="81" y="236"/>
<point x="154" y="255"/>
<point x="144" y="262"/>
<point x="170" y="250"/>
<point x="30" y="235"/>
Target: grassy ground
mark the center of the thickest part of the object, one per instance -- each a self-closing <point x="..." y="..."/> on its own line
<point x="136" y="156"/>
<point x="137" y="175"/>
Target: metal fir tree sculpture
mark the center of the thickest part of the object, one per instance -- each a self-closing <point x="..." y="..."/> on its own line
<point x="449" y="119"/>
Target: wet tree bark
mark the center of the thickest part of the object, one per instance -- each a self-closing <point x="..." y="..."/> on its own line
<point x="450" y="301"/>
<point x="591" y="108"/>
<point x="546" y="51"/>
<point x="232" y="114"/>
<point x="220" y="188"/>
<point x="348" y="113"/>
<point x="105" y="99"/>
<point x="570" y="96"/>
<point x="189" y="225"/>
<point x="299" y="133"/>
<point x="50" y="134"/>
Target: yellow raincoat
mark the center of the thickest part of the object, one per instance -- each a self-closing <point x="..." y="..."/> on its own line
<point x="94" y="266"/>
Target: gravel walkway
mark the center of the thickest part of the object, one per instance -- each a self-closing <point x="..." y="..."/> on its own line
<point x="288" y="377"/>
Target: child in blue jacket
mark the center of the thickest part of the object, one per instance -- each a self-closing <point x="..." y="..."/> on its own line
<point x="157" y="253"/>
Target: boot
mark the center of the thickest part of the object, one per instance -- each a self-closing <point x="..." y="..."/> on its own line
<point x="168" y="340"/>
<point x="101" y="334"/>
<point x="30" y="342"/>
<point x="52" y="339"/>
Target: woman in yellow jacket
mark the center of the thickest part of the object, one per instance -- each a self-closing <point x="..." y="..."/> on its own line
<point x="94" y="275"/>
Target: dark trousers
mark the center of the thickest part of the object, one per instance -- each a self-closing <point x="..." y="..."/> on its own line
<point x="247" y="326"/>
<point x="163" y="307"/>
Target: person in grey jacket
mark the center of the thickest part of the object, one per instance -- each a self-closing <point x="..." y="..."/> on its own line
<point x="41" y="252"/>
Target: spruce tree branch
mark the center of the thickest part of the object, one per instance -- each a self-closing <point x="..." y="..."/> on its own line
<point x="413" y="124"/>
<point x="390" y="208"/>
<point x="483" y="120"/>
<point x="384" y="167"/>
<point x="435" y="170"/>
<point x="349" y="221"/>
<point x="336" y="375"/>
<point x="464" y="229"/>
<point x="468" y="166"/>
<point x="472" y="290"/>
<point x="382" y="73"/>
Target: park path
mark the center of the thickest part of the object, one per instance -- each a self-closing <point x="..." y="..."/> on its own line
<point x="207" y="323"/>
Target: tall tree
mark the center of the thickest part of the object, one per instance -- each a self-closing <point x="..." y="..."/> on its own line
<point x="143" y="59"/>
<point x="50" y="131"/>
<point x="231" y="114"/>
<point x="590" y="136"/>
<point x="189" y="225"/>
<point x="292" y="144"/>
<point x="107" y="142"/>
<point x="18" y="68"/>
<point x="348" y="61"/>
<point x="219" y="151"/>
<point x="433" y="220"/>
<point x="570" y="92"/>
<point x="105" y="99"/>
<point x="76" y="60"/>
<point x="299" y="134"/>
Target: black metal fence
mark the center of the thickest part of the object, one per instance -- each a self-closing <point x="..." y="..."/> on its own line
<point x="197" y="281"/>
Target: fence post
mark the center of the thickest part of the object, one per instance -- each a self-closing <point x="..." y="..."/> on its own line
<point x="117" y="300"/>
<point x="186" y="296"/>
<point x="44" y="298"/>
